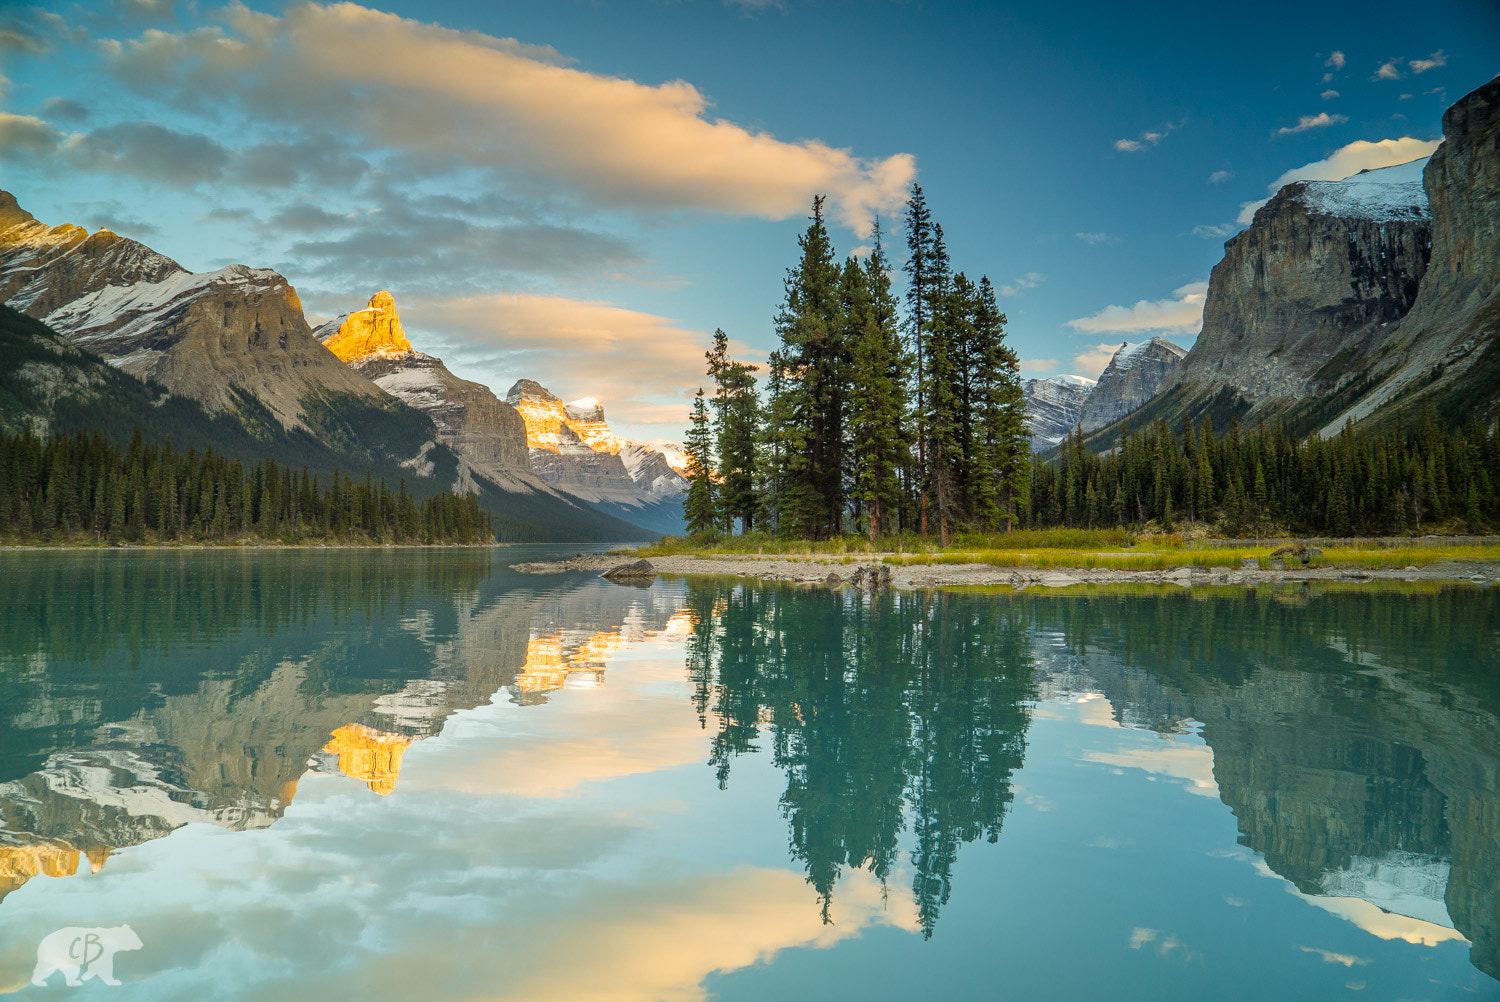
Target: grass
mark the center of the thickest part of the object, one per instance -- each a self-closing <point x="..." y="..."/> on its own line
<point x="1114" y="549"/>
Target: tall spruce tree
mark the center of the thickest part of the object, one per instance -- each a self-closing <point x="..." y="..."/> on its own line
<point x="881" y="437"/>
<point x="736" y="423"/>
<point x="700" y="508"/>
<point x="816" y="367"/>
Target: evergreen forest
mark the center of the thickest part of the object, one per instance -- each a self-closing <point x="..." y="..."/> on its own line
<point x="881" y="417"/>
<point x="83" y="488"/>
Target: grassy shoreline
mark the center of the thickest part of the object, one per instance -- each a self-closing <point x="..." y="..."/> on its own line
<point x="1100" y="550"/>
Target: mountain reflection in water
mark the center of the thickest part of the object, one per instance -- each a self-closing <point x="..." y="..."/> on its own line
<point x="1354" y="734"/>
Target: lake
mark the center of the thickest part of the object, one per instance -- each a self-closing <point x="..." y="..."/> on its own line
<point x="388" y="774"/>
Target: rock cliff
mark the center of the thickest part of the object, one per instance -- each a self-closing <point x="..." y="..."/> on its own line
<point x="1300" y="297"/>
<point x="486" y="433"/>
<point x="211" y="336"/>
<point x="1132" y="377"/>
<point x="1446" y="350"/>
<point x="573" y="448"/>
<point x="1053" y="406"/>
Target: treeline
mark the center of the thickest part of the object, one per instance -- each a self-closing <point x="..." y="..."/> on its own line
<point x="84" y="488"/>
<point x="1387" y="482"/>
<point x="871" y="420"/>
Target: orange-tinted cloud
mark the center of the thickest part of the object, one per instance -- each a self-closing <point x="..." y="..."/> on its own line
<point x="434" y="92"/>
<point x="643" y="368"/>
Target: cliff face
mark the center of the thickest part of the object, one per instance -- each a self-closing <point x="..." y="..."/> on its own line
<point x="487" y="434"/>
<point x="1446" y="350"/>
<point x="1053" y="406"/>
<point x="574" y="450"/>
<point x="1323" y="267"/>
<point x="206" y="336"/>
<point x="1132" y="377"/>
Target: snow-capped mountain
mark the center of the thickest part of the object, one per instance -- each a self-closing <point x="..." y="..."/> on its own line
<point x="573" y="448"/>
<point x="212" y="336"/>
<point x="1052" y="407"/>
<point x="1132" y="377"/>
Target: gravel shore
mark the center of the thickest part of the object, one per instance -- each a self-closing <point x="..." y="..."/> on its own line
<point x="823" y="570"/>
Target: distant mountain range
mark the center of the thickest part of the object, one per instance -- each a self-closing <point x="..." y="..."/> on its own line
<point x="1059" y="404"/>
<point x="120" y="336"/>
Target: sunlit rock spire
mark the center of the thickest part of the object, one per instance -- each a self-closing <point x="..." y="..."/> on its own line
<point x="375" y="330"/>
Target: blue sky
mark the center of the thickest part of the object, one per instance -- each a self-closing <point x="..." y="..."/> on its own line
<point x="580" y="192"/>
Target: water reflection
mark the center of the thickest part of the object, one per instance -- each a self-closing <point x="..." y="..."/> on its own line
<point x="872" y="706"/>
<point x="404" y="759"/>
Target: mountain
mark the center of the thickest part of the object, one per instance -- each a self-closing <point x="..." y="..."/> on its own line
<point x="573" y="449"/>
<point x="234" y="339"/>
<point x="1134" y="374"/>
<point x="226" y="360"/>
<point x="1365" y="299"/>
<point x="487" y="434"/>
<point x="1053" y="406"/>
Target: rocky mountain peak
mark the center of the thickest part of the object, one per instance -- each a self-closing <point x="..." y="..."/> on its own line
<point x="373" y="331"/>
<point x="1132" y="377"/>
<point x="530" y="389"/>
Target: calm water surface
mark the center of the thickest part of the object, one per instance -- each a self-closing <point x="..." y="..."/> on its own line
<point x="395" y="775"/>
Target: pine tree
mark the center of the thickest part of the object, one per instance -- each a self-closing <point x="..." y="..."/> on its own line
<point x="736" y="423"/>
<point x="700" y="508"/>
<point x="880" y="438"/>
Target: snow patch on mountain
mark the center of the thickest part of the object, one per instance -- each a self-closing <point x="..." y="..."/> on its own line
<point x="1388" y="193"/>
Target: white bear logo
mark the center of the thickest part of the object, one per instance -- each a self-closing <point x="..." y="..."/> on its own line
<point x="75" y="948"/>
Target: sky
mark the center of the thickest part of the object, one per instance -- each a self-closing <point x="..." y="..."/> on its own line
<point x="581" y="191"/>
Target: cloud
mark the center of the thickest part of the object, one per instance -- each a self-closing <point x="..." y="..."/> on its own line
<point x="22" y="39"/>
<point x="1432" y="62"/>
<point x="465" y="100"/>
<point x="1217" y="232"/>
<point x="148" y="150"/>
<point x="1329" y="95"/>
<point x="1036" y="366"/>
<point x="1148" y="139"/>
<point x="1335" y="60"/>
<point x="1220" y="176"/>
<point x="26" y="136"/>
<point x="1093" y="360"/>
<point x="64" y="109"/>
<point x="1346" y="162"/>
<point x="644" y="368"/>
<point x="1093" y="238"/>
<point x="1319" y="121"/>
<point x="1389" y="70"/>
<point x="1030" y="280"/>
<point x="1181" y="314"/>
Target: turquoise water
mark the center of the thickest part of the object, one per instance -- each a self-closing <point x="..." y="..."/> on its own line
<point x="387" y="775"/>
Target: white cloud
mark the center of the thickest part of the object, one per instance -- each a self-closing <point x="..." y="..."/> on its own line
<point x="1319" y="121"/>
<point x="1037" y="366"/>
<point x="1335" y="59"/>
<point x="463" y="99"/>
<point x="1220" y="176"/>
<point x="1329" y="95"/>
<point x="1432" y="62"/>
<point x="1181" y="314"/>
<point x="1217" y="232"/>
<point x="1030" y="280"/>
<point x="1389" y="70"/>
<point x="1092" y="238"/>
<point x="1346" y="162"/>
<point x="1148" y="139"/>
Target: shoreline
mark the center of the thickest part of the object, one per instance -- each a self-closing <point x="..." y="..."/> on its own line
<point x="823" y="570"/>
